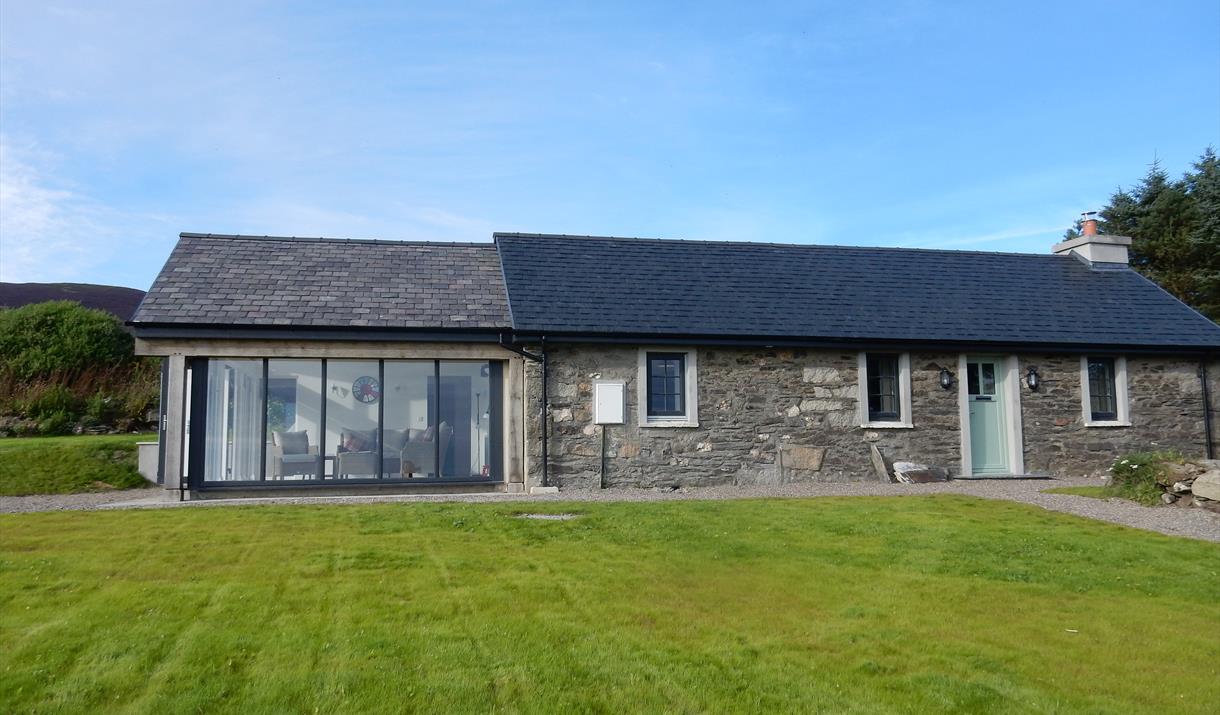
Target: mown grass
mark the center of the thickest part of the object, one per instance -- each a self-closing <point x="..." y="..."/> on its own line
<point x="1091" y="492"/>
<point x="62" y="465"/>
<point x="861" y="605"/>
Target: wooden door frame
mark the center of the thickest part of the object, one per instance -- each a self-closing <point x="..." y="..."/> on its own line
<point x="1012" y="413"/>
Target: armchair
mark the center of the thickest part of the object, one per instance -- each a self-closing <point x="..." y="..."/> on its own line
<point x="291" y="454"/>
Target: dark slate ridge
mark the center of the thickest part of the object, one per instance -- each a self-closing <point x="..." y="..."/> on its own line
<point x="596" y="285"/>
<point x="327" y="283"/>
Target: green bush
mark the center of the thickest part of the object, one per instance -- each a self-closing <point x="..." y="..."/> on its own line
<point x="1138" y="476"/>
<point x="54" y="400"/>
<point x="62" y="364"/>
<point x="57" y="423"/>
<point x="60" y="338"/>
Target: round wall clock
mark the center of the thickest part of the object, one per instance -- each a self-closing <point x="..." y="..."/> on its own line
<point x="366" y="389"/>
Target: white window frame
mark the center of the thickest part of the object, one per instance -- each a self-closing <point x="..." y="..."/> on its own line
<point x="691" y="416"/>
<point x="1122" y="404"/>
<point x="904" y="391"/>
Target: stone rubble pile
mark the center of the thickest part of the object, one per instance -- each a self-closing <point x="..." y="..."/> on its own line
<point x="1196" y="483"/>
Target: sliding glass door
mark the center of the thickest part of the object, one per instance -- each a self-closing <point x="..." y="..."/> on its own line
<point x="283" y="421"/>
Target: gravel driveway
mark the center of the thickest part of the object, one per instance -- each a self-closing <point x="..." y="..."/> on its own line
<point x="1175" y="521"/>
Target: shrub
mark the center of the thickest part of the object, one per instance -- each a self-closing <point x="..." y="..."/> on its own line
<point x="1138" y="476"/>
<point x="62" y="364"/>
<point x="57" y="423"/>
<point x="60" y="338"/>
<point x="54" y="400"/>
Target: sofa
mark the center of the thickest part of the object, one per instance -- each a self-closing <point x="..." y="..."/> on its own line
<point x="408" y="452"/>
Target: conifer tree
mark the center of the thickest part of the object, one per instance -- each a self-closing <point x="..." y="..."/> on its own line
<point x="1175" y="230"/>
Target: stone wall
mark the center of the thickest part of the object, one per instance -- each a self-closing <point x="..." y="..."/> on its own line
<point x="753" y="405"/>
<point x="779" y="416"/>
<point x="1166" y="413"/>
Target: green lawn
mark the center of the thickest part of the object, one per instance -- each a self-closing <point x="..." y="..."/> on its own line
<point x="1091" y="492"/>
<point x="62" y="465"/>
<point x="941" y="603"/>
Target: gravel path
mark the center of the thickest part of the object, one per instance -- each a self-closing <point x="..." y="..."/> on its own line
<point x="1175" y="521"/>
<point x="76" y="502"/>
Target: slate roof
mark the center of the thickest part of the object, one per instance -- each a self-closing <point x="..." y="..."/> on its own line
<point x="327" y="283"/>
<point x="671" y="288"/>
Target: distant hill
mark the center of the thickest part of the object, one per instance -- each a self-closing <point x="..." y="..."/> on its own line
<point x="115" y="299"/>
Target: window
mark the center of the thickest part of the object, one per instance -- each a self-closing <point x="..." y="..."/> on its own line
<point x="325" y="420"/>
<point x="885" y="389"/>
<point x="1104" y="391"/>
<point x="668" y="396"/>
<point x="883" y="402"/>
<point x="666" y="384"/>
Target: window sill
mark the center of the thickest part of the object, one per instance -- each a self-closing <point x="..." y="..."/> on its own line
<point x="674" y="423"/>
<point x="1107" y="423"/>
<point x="887" y="425"/>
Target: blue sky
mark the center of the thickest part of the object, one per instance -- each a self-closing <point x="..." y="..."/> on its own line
<point x="951" y="125"/>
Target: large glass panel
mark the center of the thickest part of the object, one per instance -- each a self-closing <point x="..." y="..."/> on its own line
<point x="294" y="419"/>
<point x="234" y="429"/>
<point x="409" y="431"/>
<point x="353" y="402"/>
<point x="465" y="433"/>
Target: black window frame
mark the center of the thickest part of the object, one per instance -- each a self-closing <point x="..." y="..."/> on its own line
<point x="1110" y="395"/>
<point x="649" y="358"/>
<point x="873" y="378"/>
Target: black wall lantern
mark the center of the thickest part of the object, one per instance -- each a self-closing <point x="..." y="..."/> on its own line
<point x="946" y="378"/>
<point x="1033" y="379"/>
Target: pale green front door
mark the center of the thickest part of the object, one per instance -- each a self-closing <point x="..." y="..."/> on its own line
<point x="988" y="435"/>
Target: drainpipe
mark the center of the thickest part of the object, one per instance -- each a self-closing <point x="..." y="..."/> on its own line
<point x="1207" y="409"/>
<point x="545" y="402"/>
<point x="546" y="415"/>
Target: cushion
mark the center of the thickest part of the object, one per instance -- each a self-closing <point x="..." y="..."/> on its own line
<point x="394" y="439"/>
<point x="292" y="442"/>
<point x="424" y="435"/>
<point x="358" y="440"/>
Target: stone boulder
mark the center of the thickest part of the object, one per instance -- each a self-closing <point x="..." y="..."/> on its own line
<point x="881" y="466"/>
<point x="800" y="457"/>
<point x="1174" y="472"/>
<point x="1207" y="485"/>
<point x="912" y="473"/>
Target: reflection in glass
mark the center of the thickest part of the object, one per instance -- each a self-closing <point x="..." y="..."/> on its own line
<point x="464" y="403"/>
<point x="353" y="397"/>
<point x="233" y="442"/>
<point x="988" y="369"/>
<point x="294" y="419"/>
<point x="410" y="432"/>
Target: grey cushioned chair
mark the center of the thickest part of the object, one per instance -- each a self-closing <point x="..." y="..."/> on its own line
<point x="290" y="454"/>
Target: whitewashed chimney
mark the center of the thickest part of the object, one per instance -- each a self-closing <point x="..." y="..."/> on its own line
<point x="1108" y="251"/>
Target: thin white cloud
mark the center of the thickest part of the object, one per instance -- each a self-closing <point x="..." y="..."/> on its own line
<point x="41" y="227"/>
<point x="52" y="233"/>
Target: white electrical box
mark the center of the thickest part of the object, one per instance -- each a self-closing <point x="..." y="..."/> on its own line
<point x="609" y="402"/>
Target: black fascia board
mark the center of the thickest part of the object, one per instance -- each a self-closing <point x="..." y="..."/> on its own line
<point x="837" y="343"/>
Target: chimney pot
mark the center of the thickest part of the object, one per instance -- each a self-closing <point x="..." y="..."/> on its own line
<point x="1088" y="223"/>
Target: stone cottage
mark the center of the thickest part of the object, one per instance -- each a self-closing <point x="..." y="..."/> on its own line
<point x="564" y="361"/>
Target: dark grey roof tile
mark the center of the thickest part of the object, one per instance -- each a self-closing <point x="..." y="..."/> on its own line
<point x="570" y="284"/>
<point x="329" y="283"/>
